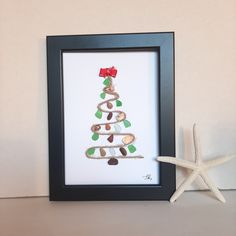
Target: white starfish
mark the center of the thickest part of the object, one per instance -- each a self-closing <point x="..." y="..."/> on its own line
<point x="199" y="167"/>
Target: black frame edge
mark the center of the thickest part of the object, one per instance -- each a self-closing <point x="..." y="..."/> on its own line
<point x="59" y="192"/>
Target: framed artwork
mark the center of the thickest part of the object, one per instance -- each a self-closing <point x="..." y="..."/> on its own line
<point x="111" y="113"/>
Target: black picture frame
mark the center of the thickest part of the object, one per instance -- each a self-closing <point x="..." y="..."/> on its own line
<point x="162" y="42"/>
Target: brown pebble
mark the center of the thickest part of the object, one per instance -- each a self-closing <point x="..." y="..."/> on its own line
<point x="123" y="151"/>
<point x="107" y="127"/>
<point x="109" y="89"/>
<point x="110" y="138"/>
<point x="102" y="152"/>
<point x="113" y="161"/>
<point x="109" y="115"/>
<point x="109" y="105"/>
<point x="96" y="127"/>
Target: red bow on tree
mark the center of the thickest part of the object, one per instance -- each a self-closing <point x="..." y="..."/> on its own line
<point x="104" y="72"/>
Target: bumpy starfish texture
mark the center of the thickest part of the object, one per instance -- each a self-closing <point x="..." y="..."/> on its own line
<point x="198" y="167"/>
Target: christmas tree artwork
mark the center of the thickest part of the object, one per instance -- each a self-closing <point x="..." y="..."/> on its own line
<point x="118" y="145"/>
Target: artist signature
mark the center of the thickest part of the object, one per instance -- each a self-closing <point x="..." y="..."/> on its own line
<point x="147" y="177"/>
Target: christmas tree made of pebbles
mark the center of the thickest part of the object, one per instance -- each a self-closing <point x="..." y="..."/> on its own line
<point x="111" y="129"/>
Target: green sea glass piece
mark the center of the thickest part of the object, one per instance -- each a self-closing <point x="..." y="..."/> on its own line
<point x="90" y="151"/>
<point x="131" y="148"/>
<point x="118" y="103"/>
<point x="106" y="82"/>
<point x="98" y="114"/>
<point x="95" y="136"/>
<point x="126" y="123"/>
<point x="102" y="95"/>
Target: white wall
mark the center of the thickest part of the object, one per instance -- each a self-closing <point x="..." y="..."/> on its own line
<point x="205" y="36"/>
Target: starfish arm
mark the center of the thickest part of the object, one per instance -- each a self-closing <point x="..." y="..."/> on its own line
<point x="183" y="185"/>
<point x="196" y="143"/>
<point x="178" y="162"/>
<point x="212" y="186"/>
<point x="218" y="161"/>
